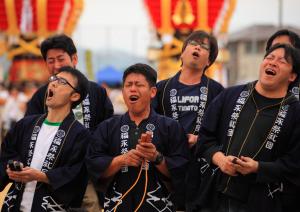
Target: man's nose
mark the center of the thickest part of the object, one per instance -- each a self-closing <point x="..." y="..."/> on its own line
<point x="273" y="63"/>
<point x="53" y="83"/>
<point x="57" y="65"/>
<point x="198" y="47"/>
<point x="133" y="87"/>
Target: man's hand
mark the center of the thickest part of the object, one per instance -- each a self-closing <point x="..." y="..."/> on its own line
<point x="131" y="158"/>
<point x="192" y="139"/>
<point x="27" y="174"/>
<point x="225" y="163"/>
<point x="246" y="165"/>
<point x="146" y="148"/>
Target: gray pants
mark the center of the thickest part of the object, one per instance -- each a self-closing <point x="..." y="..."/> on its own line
<point x="90" y="200"/>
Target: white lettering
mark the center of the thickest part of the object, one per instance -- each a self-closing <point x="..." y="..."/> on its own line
<point x="188" y="99"/>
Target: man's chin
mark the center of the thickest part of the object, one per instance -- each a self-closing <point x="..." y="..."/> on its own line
<point x="271" y="86"/>
<point x="135" y="112"/>
<point x="49" y="104"/>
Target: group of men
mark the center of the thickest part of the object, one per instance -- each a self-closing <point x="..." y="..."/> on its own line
<point x="185" y="143"/>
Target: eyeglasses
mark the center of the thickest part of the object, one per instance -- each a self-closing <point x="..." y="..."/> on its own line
<point x="61" y="81"/>
<point x="202" y="45"/>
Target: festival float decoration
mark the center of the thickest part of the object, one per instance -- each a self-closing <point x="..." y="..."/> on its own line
<point x="24" y="24"/>
<point x="174" y="20"/>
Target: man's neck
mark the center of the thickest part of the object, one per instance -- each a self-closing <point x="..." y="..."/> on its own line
<point x="190" y="76"/>
<point x="57" y="115"/>
<point x="270" y="93"/>
<point x="138" y="118"/>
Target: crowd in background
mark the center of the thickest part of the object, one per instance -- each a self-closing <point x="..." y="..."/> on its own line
<point x="13" y="99"/>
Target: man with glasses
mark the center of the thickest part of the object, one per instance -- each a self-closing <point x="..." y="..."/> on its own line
<point x="47" y="151"/>
<point x="59" y="51"/>
<point x="61" y="81"/>
<point x="249" y="141"/>
<point x="291" y="38"/>
<point x="290" y="196"/>
<point x="185" y="96"/>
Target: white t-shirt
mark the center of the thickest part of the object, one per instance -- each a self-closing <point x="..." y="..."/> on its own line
<point x="43" y="143"/>
<point x="78" y="113"/>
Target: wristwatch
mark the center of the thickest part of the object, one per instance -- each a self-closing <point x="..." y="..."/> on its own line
<point x="159" y="158"/>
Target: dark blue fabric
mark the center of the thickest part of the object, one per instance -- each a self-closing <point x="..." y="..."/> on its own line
<point x="280" y="164"/>
<point x="169" y="139"/>
<point x="68" y="177"/>
<point x="184" y="92"/>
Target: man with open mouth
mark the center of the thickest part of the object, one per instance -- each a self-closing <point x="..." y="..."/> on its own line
<point x="185" y="96"/>
<point x="292" y="38"/>
<point x="249" y="141"/>
<point x="59" y="51"/>
<point x="288" y="37"/>
<point x="139" y="157"/>
<point x="52" y="148"/>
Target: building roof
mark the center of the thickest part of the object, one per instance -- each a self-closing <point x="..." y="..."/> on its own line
<point x="258" y="32"/>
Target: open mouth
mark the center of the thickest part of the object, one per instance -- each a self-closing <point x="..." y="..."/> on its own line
<point x="195" y="54"/>
<point x="50" y="93"/>
<point x="270" y="72"/>
<point x="133" y="98"/>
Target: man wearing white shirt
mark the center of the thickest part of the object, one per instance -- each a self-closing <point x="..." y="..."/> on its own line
<point x="52" y="148"/>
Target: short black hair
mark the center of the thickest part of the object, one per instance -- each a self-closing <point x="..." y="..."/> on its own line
<point x="82" y="85"/>
<point x="200" y="35"/>
<point x="62" y="42"/>
<point x="144" y="69"/>
<point x="294" y="38"/>
<point x="291" y="54"/>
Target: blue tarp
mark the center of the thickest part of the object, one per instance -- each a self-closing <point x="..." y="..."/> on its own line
<point x="109" y="75"/>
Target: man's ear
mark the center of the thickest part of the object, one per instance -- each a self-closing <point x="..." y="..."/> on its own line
<point x="208" y="63"/>
<point x="75" y="97"/>
<point x="293" y="76"/>
<point x="153" y="91"/>
<point x="74" y="59"/>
